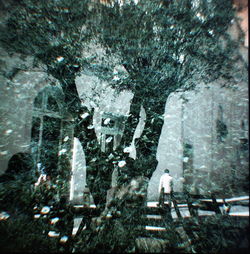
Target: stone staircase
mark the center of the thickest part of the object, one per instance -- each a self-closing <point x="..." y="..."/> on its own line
<point x="160" y="227"/>
<point x="165" y="225"/>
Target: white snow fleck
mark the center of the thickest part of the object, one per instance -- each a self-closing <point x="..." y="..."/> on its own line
<point x="121" y="164"/>
<point x="185" y="159"/>
<point x="36" y="216"/>
<point x="3" y="152"/>
<point x="90" y="127"/>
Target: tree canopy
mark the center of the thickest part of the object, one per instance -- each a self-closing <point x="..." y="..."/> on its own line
<point x="163" y="46"/>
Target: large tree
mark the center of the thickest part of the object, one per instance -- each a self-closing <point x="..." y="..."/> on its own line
<point x="163" y="45"/>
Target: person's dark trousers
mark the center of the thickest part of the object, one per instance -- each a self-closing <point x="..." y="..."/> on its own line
<point x="164" y="196"/>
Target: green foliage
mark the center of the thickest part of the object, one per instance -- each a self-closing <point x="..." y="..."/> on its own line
<point x="163" y="45"/>
<point x="40" y="28"/>
<point x="167" y="46"/>
<point x="218" y="234"/>
<point x="21" y="231"/>
<point x="25" y="235"/>
<point x="17" y="195"/>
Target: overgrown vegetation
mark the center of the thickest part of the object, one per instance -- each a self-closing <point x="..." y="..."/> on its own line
<point x="162" y="45"/>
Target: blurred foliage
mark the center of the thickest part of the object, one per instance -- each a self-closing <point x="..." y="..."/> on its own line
<point x="218" y="234"/>
<point x="26" y="227"/>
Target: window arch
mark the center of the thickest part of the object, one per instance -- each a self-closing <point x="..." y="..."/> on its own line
<point x="51" y="134"/>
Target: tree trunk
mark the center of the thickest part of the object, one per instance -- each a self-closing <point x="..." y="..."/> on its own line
<point x="146" y="145"/>
<point x="99" y="165"/>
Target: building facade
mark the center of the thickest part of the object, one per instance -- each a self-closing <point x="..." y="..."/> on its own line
<point x="204" y="139"/>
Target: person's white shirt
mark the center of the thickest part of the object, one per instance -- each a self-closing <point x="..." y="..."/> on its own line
<point x="165" y="182"/>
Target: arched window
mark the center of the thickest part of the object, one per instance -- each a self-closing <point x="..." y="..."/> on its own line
<point x="52" y="134"/>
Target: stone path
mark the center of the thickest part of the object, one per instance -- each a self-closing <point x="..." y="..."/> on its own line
<point x="239" y="206"/>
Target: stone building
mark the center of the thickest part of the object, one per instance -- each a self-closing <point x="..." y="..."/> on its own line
<point x="204" y="139"/>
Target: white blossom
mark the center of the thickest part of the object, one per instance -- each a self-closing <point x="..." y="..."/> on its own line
<point x="60" y="59"/>
<point x="66" y="138"/>
<point x="200" y="16"/>
<point x="7" y="132"/>
<point x="84" y="115"/>
<point x="109" y="215"/>
<point x="127" y="149"/>
<point x="4" y="215"/>
<point x="45" y="210"/>
<point x="62" y="151"/>
<point x="106" y="121"/>
<point x="42" y="178"/>
<point x="64" y="239"/>
<point x="54" y="220"/>
<point x="53" y="234"/>
<point x="116" y="78"/>
<point x="181" y="58"/>
<point x="109" y="139"/>
<point x="211" y="32"/>
<point x="121" y="164"/>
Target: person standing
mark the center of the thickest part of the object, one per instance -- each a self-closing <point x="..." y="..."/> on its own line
<point x="165" y="188"/>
